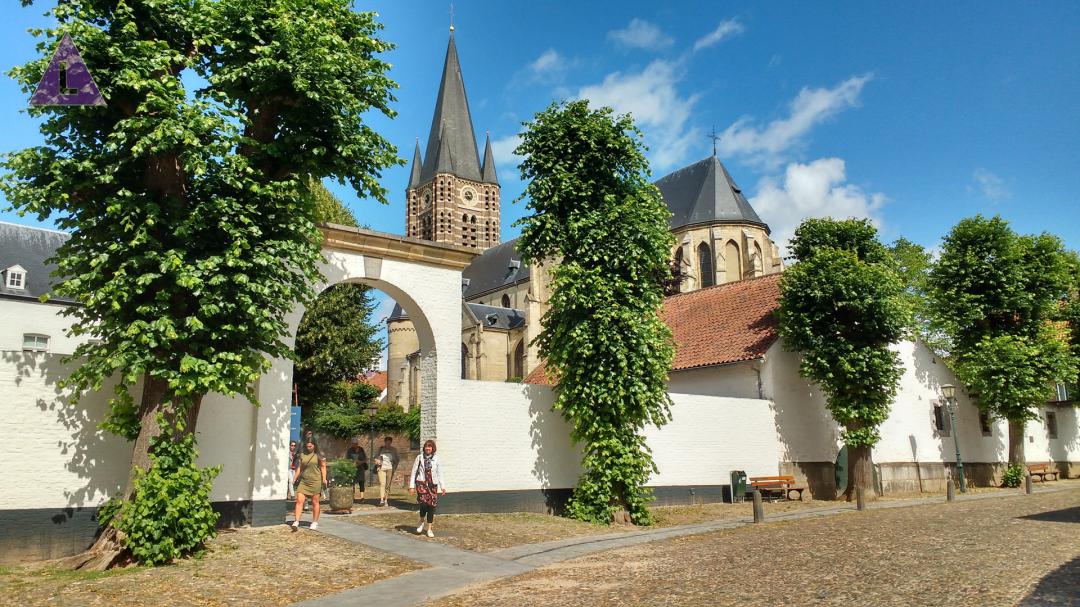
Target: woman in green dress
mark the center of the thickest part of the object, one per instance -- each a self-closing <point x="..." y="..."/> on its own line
<point x="309" y="481"/>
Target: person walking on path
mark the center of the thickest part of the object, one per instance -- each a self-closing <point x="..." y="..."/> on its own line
<point x="361" y="469"/>
<point x="294" y="463"/>
<point x="387" y="462"/>
<point x="309" y="480"/>
<point x="427" y="482"/>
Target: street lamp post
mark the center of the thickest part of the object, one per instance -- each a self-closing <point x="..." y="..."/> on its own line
<point x="949" y="392"/>
<point x="371" y="409"/>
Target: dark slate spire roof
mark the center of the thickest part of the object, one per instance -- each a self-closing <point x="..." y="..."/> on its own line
<point x="704" y="192"/>
<point x="30" y="248"/>
<point x="414" y="178"/>
<point x="495" y="268"/>
<point x="451" y="126"/>
<point x="489" y="163"/>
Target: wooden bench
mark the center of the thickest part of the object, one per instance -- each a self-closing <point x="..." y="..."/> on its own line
<point x="783" y="484"/>
<point x="1042" y="471"/>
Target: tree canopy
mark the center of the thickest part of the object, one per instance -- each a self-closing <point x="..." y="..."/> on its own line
<point x="842" y="306"/>
<point x="191" y="231"/>
<point x="602" y="228"/>
<point x="994" y="294"/>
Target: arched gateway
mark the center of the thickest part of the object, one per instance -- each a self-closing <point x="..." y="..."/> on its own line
<point x="425" y="279"/>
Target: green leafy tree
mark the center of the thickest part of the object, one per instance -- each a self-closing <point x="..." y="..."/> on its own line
<point x="913" y="263"/>
<point x="595" y="212"/>
<point x="342" y="412"/>
<point x="993" y="294"/>
<point x="1070" y="319"/>
<point x="336" y="340"/>
<point x="842" y="306"/>
<point x="191" y="221"/>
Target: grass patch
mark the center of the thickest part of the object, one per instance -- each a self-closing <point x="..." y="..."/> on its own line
<point x="486" y="532"/>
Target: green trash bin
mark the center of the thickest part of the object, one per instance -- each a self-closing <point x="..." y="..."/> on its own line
<point x="738" y="485"/>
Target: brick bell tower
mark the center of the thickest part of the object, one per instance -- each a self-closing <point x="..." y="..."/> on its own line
<point x="451" y="196"/>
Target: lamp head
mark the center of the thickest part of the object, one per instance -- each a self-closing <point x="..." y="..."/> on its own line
<point x="948" y="391"/>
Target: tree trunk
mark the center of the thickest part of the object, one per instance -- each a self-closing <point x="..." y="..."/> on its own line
<point x="1016" y="442"/>
<point x="860" y="474"/>
<point x="109" y="551"/>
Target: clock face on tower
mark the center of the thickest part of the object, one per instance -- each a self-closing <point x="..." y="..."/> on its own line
<point x="469" y="195"/>
<point x="427" y="199"/>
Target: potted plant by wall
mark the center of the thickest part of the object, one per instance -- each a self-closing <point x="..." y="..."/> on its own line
<point x="341" y="485"/>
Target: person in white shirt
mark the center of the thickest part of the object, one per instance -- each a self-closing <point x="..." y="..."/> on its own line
<point x="427" y="482"/>
<point x="387" y="461"/>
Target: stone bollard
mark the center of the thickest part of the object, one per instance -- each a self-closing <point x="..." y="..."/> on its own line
<point x="860" y="501"/>
<point x="1027" y="484"/>
<point x="950" y="491"/>
<point x="759" y="510"/>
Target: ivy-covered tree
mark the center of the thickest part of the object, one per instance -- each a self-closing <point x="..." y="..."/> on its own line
<point x="602" y="227"/>
<point x="192" y="226"/>
<point x="842" y="306"/>
<point x="993" y="294"/>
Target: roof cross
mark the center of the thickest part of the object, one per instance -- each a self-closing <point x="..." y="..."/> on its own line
<point x="714" y="137"/>
<point x="451" y="16"/>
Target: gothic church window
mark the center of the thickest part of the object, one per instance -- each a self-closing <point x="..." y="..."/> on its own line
<point x="732" y="261"/>
<point x="705" y="265"/>
<point x="505" y="301"/>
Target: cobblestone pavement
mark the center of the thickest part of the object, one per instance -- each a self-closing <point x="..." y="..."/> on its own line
<point x="991" y="552"/>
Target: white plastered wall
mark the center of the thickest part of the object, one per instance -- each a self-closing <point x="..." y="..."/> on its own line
<point x="55" y="454"/>
<point x="500" y="436"/>
<point x="808" y="433"/>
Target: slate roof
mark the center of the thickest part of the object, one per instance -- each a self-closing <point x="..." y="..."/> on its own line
<point x="488" y="169"/>
<point x="704" y="192"/>
<point x="728" y="323"/>
<point x="493" y="317"/>
<point x="451" y="144"/>
<point x="495" y="268"/>
<point x="29" y="247"/>
<point x="417" y="162"/>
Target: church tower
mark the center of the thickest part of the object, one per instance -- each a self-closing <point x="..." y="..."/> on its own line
<point x="452" y="197"/>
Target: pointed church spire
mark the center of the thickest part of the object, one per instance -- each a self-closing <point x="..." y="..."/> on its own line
<point x="451" y="126"/>
<point x="488" y="170"/>
<point x="414" y="178"/>
<point x="444" y="160"/>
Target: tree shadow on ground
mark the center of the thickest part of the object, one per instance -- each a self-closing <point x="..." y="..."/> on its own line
<point x="1065" y="515"/>
<point x="1059" y="587"/>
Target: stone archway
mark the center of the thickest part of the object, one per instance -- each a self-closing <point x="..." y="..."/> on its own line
<point x="425" y="279"/>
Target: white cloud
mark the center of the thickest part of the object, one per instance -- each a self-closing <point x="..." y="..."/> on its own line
<point x="990" y="185"/>
<point x="550" y="67"/>
<point x="726" y="29"/>
<point x="768" y="145"/>
<point x="641" y="34"/>
<point x="548" y="62"/>
<point x="815" y="189"/>
<point x="652" y="99"/>
<point x="503" y="150"/>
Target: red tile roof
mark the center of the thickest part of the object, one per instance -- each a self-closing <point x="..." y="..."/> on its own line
<point x="375" y="378"/>
<point x="718" y="325"/>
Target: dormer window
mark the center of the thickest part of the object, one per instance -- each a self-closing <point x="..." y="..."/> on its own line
<point x="15" y="277"/>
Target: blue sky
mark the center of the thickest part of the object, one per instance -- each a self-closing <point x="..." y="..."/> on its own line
<point x="915" y="115"/>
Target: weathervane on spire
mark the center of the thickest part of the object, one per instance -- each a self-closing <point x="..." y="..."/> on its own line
<point x="714" y="137"/>
<point x="451" y="16"/>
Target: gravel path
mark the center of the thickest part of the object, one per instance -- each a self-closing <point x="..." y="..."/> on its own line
<point x="991" y="552"/>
